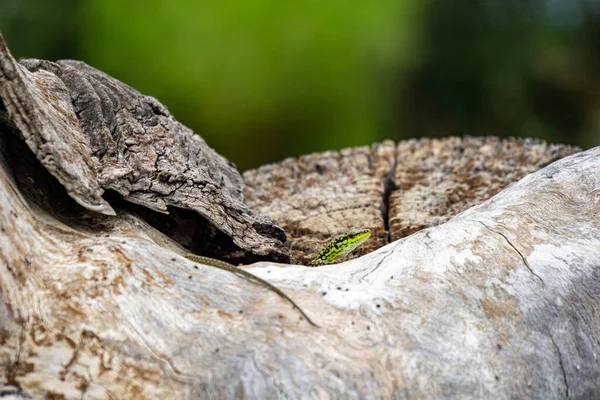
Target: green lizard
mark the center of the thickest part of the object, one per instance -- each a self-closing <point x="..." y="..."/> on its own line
<point x="338" y="247"/>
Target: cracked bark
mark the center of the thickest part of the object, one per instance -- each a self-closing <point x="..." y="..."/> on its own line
<point x="392" y="189"/>
<point x="94" y="305"/>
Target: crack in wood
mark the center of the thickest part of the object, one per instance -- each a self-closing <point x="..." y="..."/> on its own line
<point x="389" y="186"/>
<point x="562" y="367"/>
<point x="515" y="249"/>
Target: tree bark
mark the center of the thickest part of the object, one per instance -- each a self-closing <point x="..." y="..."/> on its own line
<point x="94" y="133"/>
<point x="394" y="190"/>
<point x="96" y="301"/>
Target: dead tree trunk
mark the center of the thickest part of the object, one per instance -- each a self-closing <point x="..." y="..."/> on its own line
<point x="96" y="302"/>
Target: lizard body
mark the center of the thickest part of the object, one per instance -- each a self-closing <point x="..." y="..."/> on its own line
<point x="340" y="246"/>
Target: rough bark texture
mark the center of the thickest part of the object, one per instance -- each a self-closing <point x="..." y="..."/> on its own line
<point x="94" y="133"/>
<point x="319" y="196"/>
<point x="500" y="301"/>
<point x="393" y="190"/>
<point x="437" y="179"/>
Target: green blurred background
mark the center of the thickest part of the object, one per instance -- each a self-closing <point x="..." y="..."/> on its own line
<point x="262" y="80"/>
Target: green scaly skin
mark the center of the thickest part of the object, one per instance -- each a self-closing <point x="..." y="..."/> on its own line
<point x="340" y="246"/>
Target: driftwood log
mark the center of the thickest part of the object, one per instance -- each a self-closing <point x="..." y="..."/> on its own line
<point x="481" y="279"/>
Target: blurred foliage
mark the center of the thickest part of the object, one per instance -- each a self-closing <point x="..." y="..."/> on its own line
<point x="41" y="29"/>
<point x="261" y="80"/>
<point x="507" y="68"/>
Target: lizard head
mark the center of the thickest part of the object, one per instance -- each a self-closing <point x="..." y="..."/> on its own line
<point x="352" y="239"/>
<point x="341" y="245"/>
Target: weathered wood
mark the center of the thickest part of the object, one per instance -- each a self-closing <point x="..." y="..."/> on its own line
<point x="94" y="133"/>
<point x="501" y="301"/>
<point x="438" y="179"/>
<point x="392" y="190"/>
<point x="318" y="196"/>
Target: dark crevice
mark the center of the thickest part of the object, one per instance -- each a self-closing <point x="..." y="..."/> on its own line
<point x="562" y="367"/>
<point x="6" y="123"/>
<point x="192" y="231"/>
<point x="515" y="249"/>
<point x="388" y="187"/>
